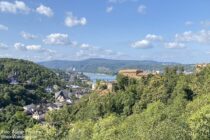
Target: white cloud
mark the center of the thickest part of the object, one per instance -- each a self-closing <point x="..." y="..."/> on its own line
<point x="109" y="9"/>
<point x="142" y="9"/>
<point x="148" y="41"/>
<point x="205" y="23"/>
<point x="32" y="48"/>
<point x="57" y="39"/>
<point x="17" y="6"/>
<point x="202" y="36"/>
<point x="74" y="43"/>
<point x="83" y="53"/>
<point x="44" y="10"/>
<point x="85" y="46"/>
<point x="143" y="44"/>
<point x="63" y="40"/>
<point x="189" y="23"/>
<point x="96" y="52"/>
<point x="71" y="20"/>
<point x="152" y="37"/>
<point x="180" y="40"/>
<point x="28" y="36"/>
<point x="23" y="47"/>
<point x="20" y="46"/>
<point x="3" y="27"/>
<point x="175" y="45"/>
<point x="185" y="37"/>
<point x="90" y="51"/>
<point x="3" y="46"/>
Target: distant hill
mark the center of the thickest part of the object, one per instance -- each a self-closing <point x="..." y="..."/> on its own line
<point x="109" y="66"/>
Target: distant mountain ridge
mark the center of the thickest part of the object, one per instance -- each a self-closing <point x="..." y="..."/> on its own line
<point x="99" y="65"/>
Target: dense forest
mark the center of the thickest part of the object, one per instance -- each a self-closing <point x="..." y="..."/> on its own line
<point x="171" y="106"/>
<point x="22" y="83"/>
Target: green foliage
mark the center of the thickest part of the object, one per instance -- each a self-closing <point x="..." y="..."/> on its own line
<point x="122" y="81"/>
<point x="168" y="106"/>
<point x="41" y="132"/>
<point x="25" y="71"/>
<point x="106" y="129"/>
<point x="13" y="121"/>
<point x="32" y="80"/>
<point x="199" y="123"/>
<point x="102" y="87"/>
<point x="81" y="130"/>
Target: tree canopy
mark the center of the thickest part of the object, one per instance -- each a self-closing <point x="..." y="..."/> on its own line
<point x="168" y="106"/>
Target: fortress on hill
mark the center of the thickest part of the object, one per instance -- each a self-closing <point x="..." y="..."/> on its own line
<point x="135" y="73"/>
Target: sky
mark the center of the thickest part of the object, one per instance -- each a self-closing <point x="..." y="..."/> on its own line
<point x="159" y="30"/>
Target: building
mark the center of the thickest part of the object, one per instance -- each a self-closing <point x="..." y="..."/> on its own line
<point x="199" y="67"/>
<point x="55" y="87"/>
<point x="48" y="89"/>
<point x="133" y="73"/>
<point x="104" y="87"/>
<point x="78" y="96"/>
<point x="74" y="86"/>
<point x="59" y="105"/>
<point x="38" y="115"/>
<point x="110" y="86"/>
<point x="63" y="96"/>
<point x="51" y="106"/>
<point x="93" y="86"/>
<point x="29" y="109"/>
<point x="13" y="80"/>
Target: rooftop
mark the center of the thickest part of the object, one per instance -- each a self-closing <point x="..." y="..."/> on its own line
<point x="130" y="70"/>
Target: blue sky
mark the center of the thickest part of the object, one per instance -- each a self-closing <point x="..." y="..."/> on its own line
<point x="160" y="30"/>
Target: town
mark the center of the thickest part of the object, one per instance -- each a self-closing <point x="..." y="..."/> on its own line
<point x="78" y="85"/>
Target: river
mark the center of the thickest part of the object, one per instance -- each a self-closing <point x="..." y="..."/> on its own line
<point x="97" y="76"/>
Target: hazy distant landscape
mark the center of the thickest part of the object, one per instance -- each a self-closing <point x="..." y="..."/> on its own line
<point x="109" y="66"/>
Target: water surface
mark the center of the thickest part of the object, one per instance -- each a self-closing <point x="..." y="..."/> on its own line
<point x="97" y="76"/>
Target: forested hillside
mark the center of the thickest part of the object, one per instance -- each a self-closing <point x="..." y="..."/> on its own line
<point x="25" y="71"/>
<point x="172" y="106"/>
<point x="22" y="83"/>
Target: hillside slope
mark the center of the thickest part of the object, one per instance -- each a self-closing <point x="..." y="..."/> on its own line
<point x="23" y="82"/>
<point x="171" y="106"/>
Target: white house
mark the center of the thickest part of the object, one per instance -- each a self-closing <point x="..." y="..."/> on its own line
<point x="38" y="116"/>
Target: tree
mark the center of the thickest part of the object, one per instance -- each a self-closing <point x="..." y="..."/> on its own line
<point x="122" y="81"/>
<point x="81" y="130"/>
<point x="41" y="132"/>
<point x="106" y="129"/>
<point x="199" y="123"/>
